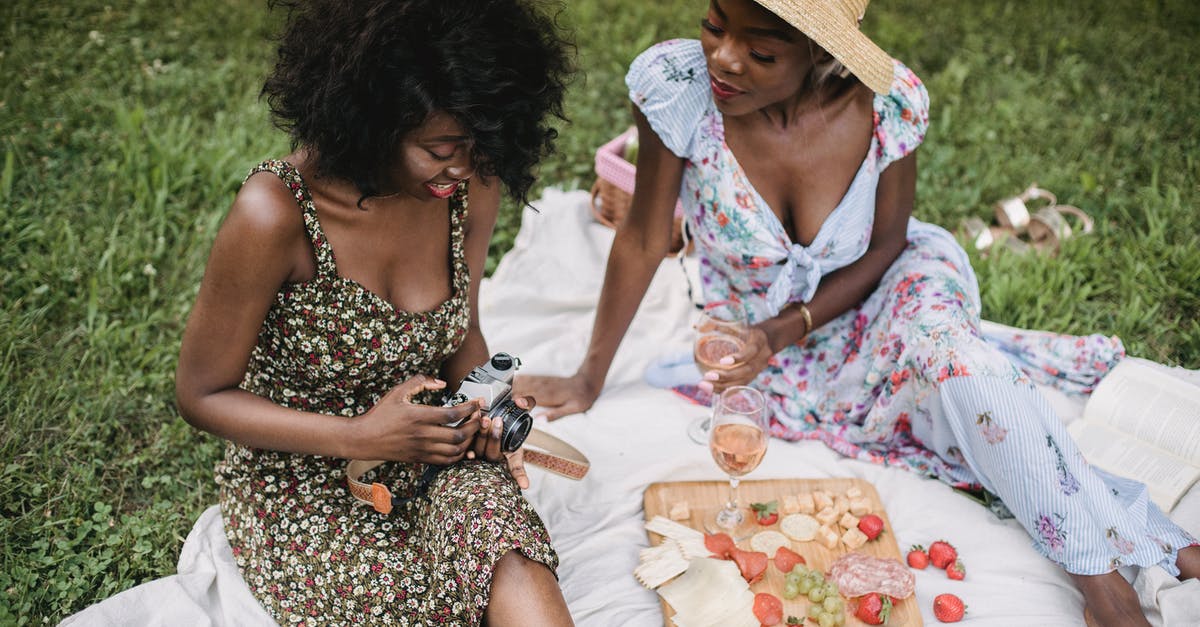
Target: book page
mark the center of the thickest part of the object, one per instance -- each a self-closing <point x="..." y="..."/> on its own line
<point x="1149" y="405"/>
<point x="1166" y="476"/>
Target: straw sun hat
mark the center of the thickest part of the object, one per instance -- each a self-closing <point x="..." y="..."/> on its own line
<point x="833" y="25"/>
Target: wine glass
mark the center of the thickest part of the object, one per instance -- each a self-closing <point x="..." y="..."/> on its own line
<point x="720" y="331"/>
<point x="738" y="442"/>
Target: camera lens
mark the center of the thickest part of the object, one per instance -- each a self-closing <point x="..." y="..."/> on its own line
<point x="517" y="423"/>
<point x="502" y="361"/>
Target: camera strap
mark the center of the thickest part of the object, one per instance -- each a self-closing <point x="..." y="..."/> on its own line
<point x="541" y="449"/>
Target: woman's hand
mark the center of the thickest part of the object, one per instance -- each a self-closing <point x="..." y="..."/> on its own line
<point x="397" y="429"/>
<point x="741" y="367"/>
<point x="487" y="444"/>
<point x="559" y="396"/>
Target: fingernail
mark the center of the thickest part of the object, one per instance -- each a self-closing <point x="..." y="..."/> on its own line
<point x="712" y="376"/>
<point x="470" y="454"/>
<point x="706" y="386"/>
<point x="726" y="360"/>
<point x="497" y="426"/>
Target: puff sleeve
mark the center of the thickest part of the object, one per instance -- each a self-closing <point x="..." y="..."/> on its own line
<point x="669" y="83"/>
<point x="901" y="117"/>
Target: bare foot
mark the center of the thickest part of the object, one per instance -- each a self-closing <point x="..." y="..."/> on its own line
<point x="1189" y="562"/>
<point x="1110" y="601"/>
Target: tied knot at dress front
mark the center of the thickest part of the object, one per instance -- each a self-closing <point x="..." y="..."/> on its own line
<point x="308" y="551"/>
<point x="906" y="378"/>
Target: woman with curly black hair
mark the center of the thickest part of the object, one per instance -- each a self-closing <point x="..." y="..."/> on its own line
<point x="341" y="291"/>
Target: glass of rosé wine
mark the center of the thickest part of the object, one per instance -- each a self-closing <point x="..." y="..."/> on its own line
<point x="720" y="332"/>
<point x="738" y="442"/>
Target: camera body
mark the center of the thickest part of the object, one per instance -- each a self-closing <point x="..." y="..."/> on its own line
<point x="492" y="382"/>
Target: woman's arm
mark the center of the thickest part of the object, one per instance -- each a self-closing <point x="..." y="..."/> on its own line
<point x="842" y="289"/>
<point x="261" y="245"/>
<point x="642" y="241"/>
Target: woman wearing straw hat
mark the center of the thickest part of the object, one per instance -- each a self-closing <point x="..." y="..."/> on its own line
<point x="790" y="139"/>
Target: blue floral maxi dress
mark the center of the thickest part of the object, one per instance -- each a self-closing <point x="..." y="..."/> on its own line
<point x="906" y="378"/>
<point x="308" y="551"/>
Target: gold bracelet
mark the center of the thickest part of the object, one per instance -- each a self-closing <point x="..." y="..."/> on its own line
<point x="808" y="323"/>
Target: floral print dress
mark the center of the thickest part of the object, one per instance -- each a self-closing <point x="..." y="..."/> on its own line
<point x="309" y="552"/>
<point x="907" y="378"/>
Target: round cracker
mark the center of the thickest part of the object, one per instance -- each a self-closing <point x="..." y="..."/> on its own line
<point x="769" y="541"/>
<point x="800" y="527"/>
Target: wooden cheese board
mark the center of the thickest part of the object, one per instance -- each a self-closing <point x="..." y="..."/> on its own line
<point x="705" y="497"/>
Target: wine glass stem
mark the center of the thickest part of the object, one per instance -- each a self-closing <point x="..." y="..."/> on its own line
<point x="732" y="505"/>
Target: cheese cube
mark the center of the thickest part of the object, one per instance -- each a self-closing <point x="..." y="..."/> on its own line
<point x="854" y="538"/>
<point x="828" y="537"/>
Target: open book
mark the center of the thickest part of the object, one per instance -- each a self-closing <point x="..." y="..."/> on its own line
<point x="1143" y="422"/>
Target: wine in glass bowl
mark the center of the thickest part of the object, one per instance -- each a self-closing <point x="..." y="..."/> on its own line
<point x="721" y="331"/>
<point x="738" y="449"/>
<point x="738" y="442"/>
<point x="714" y="346"/>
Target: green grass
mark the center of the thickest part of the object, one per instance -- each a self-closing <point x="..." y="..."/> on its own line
<point x="126" y="128"/>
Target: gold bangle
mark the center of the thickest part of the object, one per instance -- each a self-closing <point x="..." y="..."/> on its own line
<point x="808" y="323"/>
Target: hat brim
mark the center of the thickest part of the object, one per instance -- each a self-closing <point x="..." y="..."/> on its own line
<point x="867" y="61"/>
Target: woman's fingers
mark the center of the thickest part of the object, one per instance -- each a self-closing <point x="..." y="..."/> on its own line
<point x="493" y="451"/>
<point x="411" y="387"/>
<point x="516" y="468"/>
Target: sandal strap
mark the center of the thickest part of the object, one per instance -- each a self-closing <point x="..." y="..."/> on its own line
<point x="1085" y="220"/>
<point x="1013" y="212"/>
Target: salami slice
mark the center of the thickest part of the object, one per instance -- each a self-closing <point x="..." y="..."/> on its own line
<point x="857" y="574"/>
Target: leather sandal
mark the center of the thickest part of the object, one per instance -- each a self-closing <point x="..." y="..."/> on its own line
<point x="1013" y="213"/>
<point x="1048" y="227"/>
<point x="983" y="237"/>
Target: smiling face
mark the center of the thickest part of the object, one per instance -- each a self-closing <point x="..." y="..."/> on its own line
<point x="755" y="59"/>
<point x="434" y="159"/>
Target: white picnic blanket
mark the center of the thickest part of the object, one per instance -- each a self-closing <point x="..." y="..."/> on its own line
<point x="539" y="306"/>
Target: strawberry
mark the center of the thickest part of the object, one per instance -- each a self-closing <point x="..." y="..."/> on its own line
<point x="948" y="608"/>
<point x="719" y="544"/>
<point x="765" y="513"/>
<point x="871" y="526"/>
<point x="942" y="554"/>
<point x="786" y="559"/>
<point x="917" y="557"/>
<point x="752" y="564"/>
<point x="956" y="570"/>
<point x="874" y="608"/>
<point x="768" y="609"/>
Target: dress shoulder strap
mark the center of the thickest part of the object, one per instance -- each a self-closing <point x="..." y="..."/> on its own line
<point x="458" y="220"/>
<point x="312" y="226"/>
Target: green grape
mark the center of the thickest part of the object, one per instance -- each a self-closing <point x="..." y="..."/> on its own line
<point x="833" y="604"/>
<point x="793" y="578"/>
<point x="800" y="570"/>
<point x="814" y="611"/>
<point x="825" y="620"/>
<point x="804" y="586"/>
<point x="817" y="594"/>
<point x="830" y="589"/>
<point x="790" y="590"/>
<point x="839" y="619"/>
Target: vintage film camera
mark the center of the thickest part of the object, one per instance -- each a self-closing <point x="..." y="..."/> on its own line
<point x="492" y="382"/>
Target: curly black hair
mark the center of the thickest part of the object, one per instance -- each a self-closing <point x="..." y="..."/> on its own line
<point x="353" y="77"/>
